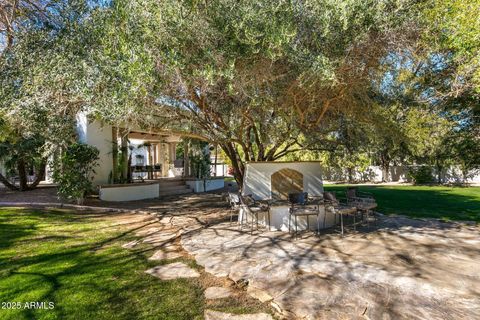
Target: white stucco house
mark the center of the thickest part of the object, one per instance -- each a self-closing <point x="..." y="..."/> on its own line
<point x="156" y="171"/>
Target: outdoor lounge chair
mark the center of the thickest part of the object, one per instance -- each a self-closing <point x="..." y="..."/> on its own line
<point x="302" y="207"/>
<point x="364" y="202"/>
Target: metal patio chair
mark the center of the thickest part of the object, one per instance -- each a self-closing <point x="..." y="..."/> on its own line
<point x="365" y="203"/>
<point x="235" y="203"/>
<point x="253" y="208"/>
<point x="340" y="209"/>
<point x="302" y="207"/>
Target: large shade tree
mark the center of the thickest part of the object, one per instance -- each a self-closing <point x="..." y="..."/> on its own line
<point x="39" y="83"/>
<point x="264" y="79"/>
<point x="260" y="79"/>
<point x="452" y="34"/>
<point x="435" y="82"/>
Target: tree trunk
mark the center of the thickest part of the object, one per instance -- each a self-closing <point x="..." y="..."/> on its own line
<point x="439" y="171"/>
<point x="7" y="183"/>
<point x="9" y="41"/>
<point x="22" y="174"/>
<point x="350" y="174"/>
<point x="124" y="159"/>
<point x="129" y="169"/>
<point x="386" y="172"/>
<point x="40" y="175"/>
<point x="238" y="168"/>
<point x="465" y="175"/>
<point x="385" y="165"/>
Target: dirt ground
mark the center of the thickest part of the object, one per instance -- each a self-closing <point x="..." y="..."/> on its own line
<point x="399" y="269"/>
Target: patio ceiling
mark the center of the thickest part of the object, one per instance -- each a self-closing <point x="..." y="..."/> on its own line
<point x="153" y="136"/>
<point x="163" y="136"/>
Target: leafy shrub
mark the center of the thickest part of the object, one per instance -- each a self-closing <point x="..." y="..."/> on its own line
<point x="74" y="170"/>
<point x="421" y="175"/>
<point x="200" y="166"/>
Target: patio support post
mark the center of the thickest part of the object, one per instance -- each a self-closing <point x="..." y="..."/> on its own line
<point x="216" y="159"/>
<point x="171" y="158"/>
<point x="154" y="161"/>
<point x="186" y="160"/>
<point x="154" y="147"/>
<point x="172" y="146"/>
<point x="114" y="154"/>
<point x="161" y="158"/>
<point x="149" y="152"/>
<point x="124" y="149"/>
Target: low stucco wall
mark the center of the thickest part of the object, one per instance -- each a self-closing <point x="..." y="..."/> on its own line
<point x="451" y="174"/>
<point x="129" y="192"/>
<point x="257" y="180"/>
<point x="211" y="184"/>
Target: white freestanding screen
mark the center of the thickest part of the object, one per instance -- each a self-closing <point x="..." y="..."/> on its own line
<point x="258" y="177"/>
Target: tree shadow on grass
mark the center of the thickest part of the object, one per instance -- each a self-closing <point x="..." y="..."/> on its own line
<point x="9" y="233"/>
<point x="98" y="280"/>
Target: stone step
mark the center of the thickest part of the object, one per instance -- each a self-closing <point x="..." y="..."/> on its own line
<point x="167" y="188"/>
<point x="175" y="182"/>
<point x="175" y="192"/>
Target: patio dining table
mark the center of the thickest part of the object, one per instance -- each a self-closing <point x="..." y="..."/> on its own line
<point x="277" y="217"/>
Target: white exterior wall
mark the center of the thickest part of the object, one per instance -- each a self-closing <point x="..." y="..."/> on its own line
<point x="454" y="175"/>
<point x="99" y="136"/>
<point x="130" y="192"/>
<point x="257" y="180"/>
<point x="398" y="174"/>
<point x="135" y="143"/>
<point x="2" y="168"/>
<point x="219" y="170"/>
<point x="211" y="184"/>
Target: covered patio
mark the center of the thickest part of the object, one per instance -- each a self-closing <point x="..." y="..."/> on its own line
<point x="138" y="163"/>
<point x="154" y="156"/>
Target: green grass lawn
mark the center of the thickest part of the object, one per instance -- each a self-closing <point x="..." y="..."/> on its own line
<point x="449" y="203"/>
<point x="76" y="261"/>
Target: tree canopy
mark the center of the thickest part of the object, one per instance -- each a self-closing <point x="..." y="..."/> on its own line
<point x="261" y="79"/>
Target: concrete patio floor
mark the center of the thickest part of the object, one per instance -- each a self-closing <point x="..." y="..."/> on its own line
<point x="401" y="269"/>
<point x="405" y="269"/>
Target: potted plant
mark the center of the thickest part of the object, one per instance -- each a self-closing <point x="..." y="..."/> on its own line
<point x="201" y="168"/>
